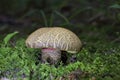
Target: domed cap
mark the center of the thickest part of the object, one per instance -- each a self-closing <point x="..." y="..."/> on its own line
<point x="54" y="37"/>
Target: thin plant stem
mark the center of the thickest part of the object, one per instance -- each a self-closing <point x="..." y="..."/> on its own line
<point x="51" y="19"/>
<point x="66" y="20"/>
<point x="44" y="18"/>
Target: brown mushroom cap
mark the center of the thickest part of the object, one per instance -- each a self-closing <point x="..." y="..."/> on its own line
<point x="54" y="37"/>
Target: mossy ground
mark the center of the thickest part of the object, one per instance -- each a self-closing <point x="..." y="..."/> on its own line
<point x="98" y="59"/>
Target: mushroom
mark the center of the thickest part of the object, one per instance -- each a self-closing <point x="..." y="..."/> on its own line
<point x="53" y="40"/>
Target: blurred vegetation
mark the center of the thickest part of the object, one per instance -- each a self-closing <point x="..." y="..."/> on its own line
<point x="97" y="23"/>
<point x="66" y="13"/>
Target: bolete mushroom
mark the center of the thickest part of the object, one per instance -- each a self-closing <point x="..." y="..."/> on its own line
<point x="53" y="40"/>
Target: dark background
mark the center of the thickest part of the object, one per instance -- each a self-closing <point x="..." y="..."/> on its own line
<point x="80" y="16"/>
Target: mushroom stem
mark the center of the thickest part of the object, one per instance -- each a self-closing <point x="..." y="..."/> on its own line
<point x="50" y="55"/>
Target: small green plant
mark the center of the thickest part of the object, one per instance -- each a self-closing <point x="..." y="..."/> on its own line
<point x="8" y="37"/>
<point x="115" y="6"/>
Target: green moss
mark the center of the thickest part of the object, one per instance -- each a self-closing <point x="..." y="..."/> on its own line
<point x="99" y="59"/>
